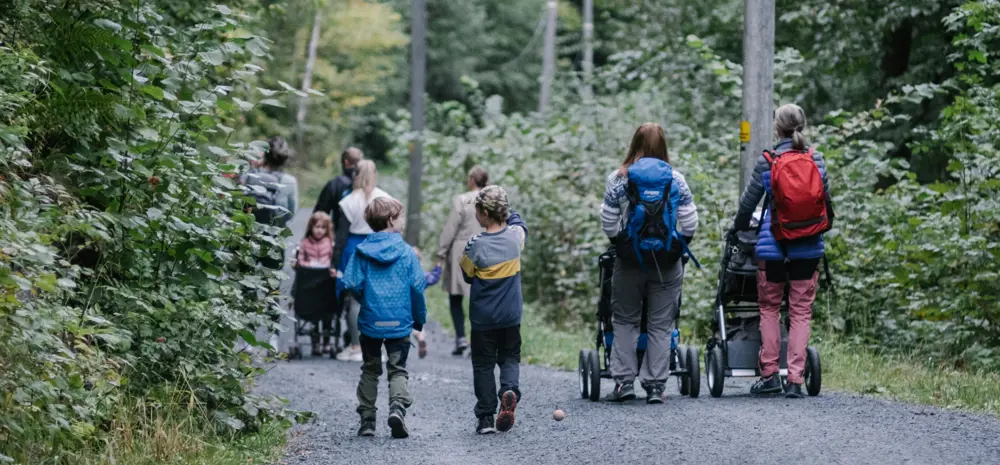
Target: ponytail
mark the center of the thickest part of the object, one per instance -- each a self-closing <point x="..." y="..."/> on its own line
<point x="799" y="141"/>
<point x="789" y="122"/>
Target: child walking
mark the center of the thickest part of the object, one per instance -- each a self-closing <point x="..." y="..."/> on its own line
<point x="491" y="264"/>
<point x="385" y="276"/>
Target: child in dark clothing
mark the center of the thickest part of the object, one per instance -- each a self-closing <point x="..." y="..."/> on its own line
<point x="385" y="276"/>
<point x="492" y="265"/>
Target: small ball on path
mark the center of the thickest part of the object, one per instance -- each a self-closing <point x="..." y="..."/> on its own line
<point x="558" y="415"/>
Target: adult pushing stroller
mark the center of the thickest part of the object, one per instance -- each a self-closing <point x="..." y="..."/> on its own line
<point x="314" y="294"/>
<point x="734" y="349"/>
<point x="595" y="364"/>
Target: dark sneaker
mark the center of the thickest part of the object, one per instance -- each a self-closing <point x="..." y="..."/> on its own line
<point x="793" y="391"/>
<point x="621" y="393"/>
<point x="486" y="425"/>
<point x="654" y="394"/>
<point x="317" y="351"/>
<point x="367" y="428"/>
<point x="508" y="402"/>
<point x="397" y="425"/>
<point x="767" y="385"/>
<point x="460" y="346"/>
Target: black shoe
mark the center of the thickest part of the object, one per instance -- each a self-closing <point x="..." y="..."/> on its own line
<point x="654" y="394"/>
<point x="793" y="391"/>
<point x="508" y="402"/>
<point x="486" y="425"/>
<point x="461" y="344"/>
<point x="396" y="423"/>
<point x="621" y="393"/>
<point x="367" y="428"/>
<point x="768" y="385"/>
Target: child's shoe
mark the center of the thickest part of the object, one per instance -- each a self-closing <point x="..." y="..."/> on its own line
<point x="622" y="392"/>
<point x="350" y="354"/>
<point x="793" y="391"/>
<point x="397" y="424"/>
<point x="768" y="385"/>
<point x="367" y="428"/>
<point x="486" y="425"/>
<point x="508" y="402"/>
<point x="654" y="393"/>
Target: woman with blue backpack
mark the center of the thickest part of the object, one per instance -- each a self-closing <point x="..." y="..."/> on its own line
<point x="650" y="216"/>
<point x="792" y="180"/>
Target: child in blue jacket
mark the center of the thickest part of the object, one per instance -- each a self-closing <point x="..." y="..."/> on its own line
<point x="386" y="277"/>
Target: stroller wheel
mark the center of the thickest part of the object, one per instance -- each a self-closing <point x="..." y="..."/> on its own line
<point x="683" y="382"/>
<point x="814" y="372"/>
<point x="694" y="372"/>
<point x="584" y="373"/>
<point x="715" y="372"/>
<point x="594" y="365"/>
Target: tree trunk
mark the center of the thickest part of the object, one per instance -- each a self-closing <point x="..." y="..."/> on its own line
<point x="300" y="116"/>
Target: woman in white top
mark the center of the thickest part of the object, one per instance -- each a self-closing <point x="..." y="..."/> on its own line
<point x="353" y="205"/>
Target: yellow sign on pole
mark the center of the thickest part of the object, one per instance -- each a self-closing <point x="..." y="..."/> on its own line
<point x="744" y="132"/>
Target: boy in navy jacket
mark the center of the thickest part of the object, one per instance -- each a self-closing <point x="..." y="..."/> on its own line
<point x="492" y="265"/>
<point x="386" y="277"/>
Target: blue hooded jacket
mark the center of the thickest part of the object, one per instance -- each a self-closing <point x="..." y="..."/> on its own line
<point x="385" y="276"/>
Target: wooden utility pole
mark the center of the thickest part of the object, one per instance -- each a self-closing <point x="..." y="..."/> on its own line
<point x="758" y="85"/>
<point x="548" y="57"/>
<point x="588" y="45"/>
<point x="418" y="64"/>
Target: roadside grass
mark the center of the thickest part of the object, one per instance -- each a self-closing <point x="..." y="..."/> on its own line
<point x="153" y="433"/>
<point x="846" y="367"/>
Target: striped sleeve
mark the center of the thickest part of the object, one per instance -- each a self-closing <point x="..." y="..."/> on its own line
<point x="687" y="211"/>
<point x="611" y="208"/>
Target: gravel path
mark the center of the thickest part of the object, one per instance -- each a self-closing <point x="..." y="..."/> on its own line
<point x="833" y="428"/>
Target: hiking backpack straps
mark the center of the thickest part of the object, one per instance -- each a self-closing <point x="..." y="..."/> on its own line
<point x="263" y="187"/>
<point x="797" y="196"/>
<point x="650" y="233"/>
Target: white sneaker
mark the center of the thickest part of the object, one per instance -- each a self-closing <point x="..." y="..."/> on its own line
<point x="385" y="358"/>
<point x="350" y="354"/>
<point x="273" y="342"/>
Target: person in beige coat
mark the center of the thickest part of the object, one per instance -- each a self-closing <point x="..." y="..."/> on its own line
<point x="458" y="230"/>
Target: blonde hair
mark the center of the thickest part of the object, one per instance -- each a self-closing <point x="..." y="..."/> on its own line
<point x="322" y="219"/>
<point x="790" y="123"/>
<point x="365" y="178"/>
<point x="648" y="141"/>
<point x="383" y="213"/>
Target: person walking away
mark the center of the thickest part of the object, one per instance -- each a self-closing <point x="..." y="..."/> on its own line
<point x="316" y="252"/>
<point x="460" y="227"/>
<point x="385" y="276"/>
<point x="329" y="202"/>
<point x="797" y="211"/>
<point x="276" y="194"/>
<point x="650" y="215"/>
<point x="491" y="264"/>
<point x="353" y="207"/>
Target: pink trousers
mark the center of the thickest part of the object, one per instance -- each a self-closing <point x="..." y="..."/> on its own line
<point x="801" y="295"/>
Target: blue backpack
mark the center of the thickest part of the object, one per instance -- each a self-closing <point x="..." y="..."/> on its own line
<point x="650" y="233"/>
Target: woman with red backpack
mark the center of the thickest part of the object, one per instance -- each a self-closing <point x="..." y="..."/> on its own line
<point x="792" y="180"/>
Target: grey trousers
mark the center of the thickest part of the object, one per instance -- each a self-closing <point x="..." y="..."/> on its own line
<point x="353" y="309"/>
<point x="661" y="288"/>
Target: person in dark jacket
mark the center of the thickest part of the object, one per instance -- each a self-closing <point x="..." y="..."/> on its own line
<point x="385" y="276"/>
<point x="793" y="262"/>
<point x="335" y="190"/>
<point x="491" y="264"/>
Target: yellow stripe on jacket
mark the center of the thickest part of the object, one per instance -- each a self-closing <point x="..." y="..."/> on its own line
<point x="499" y="271"/>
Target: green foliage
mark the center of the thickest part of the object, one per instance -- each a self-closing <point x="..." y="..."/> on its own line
<point x="915" y="264"/>
<point x="128" y="264"/>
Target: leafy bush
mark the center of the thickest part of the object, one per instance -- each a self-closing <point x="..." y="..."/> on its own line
<point x="127" y="262"/>
<point x="916" y="264"/>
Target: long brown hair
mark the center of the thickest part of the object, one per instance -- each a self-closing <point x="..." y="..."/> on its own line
<point x="320" y="218"/>
<point x="649" y="141"/>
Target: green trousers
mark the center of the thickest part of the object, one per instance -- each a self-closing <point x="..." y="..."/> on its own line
<point x="371" y="369"/>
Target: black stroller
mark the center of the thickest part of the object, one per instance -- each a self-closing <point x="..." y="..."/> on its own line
<point x="683" y="359"/>
<point x="314" y="294"/>
<point x="734" y="349"/>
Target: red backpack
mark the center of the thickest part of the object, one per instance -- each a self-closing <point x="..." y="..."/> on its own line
<point x="798" y="199"/>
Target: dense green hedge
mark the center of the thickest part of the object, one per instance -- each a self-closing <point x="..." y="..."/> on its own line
<point x="126" y="259"/>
